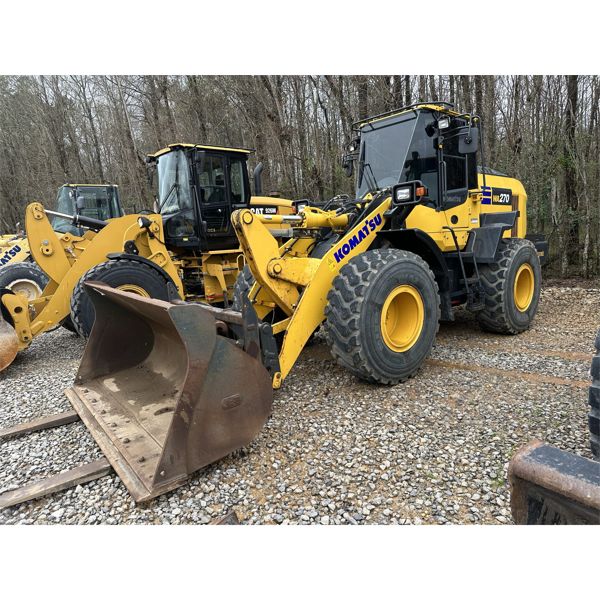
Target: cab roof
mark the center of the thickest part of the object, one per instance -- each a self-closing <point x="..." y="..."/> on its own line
<point x="104" y="185"/>
<point x="440" y="107"/>
<point x="180" y="145"/>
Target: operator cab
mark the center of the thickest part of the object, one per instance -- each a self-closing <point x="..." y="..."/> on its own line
<point x="97" y="201"/>
<point x="427" y="143"/>
<point x="198" y="187"/>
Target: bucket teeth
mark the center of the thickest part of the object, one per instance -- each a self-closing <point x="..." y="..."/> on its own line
<point x="162" y="392"/>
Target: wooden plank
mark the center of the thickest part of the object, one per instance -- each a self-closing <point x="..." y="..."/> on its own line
<point x="56" y="483"/>
<point x="38" y="424"/>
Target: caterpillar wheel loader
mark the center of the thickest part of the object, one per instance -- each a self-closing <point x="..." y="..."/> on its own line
<point x="167" y="388"/>
<point x="18" y="270"/>
<point x="187" y="249"/>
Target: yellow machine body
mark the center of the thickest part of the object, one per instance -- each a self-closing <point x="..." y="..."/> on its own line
<point x="65" y="258"/>
<point x="466" y="216"/>
<point x="14" y="248"/>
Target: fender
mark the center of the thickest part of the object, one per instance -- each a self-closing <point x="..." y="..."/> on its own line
<point x="416" y="240"/>
<point x="171" y="286"/>
<point x="419" y="242"/>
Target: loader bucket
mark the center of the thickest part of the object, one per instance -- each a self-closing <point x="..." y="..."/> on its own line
<point x="163" y="391"/>
<point x="9" y="342"/>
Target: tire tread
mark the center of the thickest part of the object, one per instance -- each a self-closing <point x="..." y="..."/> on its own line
<point x="345" y="301"/>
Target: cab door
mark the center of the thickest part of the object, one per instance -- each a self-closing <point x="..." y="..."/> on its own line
<point x="213" y="194"/>
<point x="222" y="184"/>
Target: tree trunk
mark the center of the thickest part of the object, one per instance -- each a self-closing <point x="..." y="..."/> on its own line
<point x="571" y="192"/>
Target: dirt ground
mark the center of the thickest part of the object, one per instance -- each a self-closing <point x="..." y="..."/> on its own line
<point x="432" y="450"/>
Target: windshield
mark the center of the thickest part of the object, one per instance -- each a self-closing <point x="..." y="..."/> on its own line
<point x="383" y="150"/>
<point x="99" y="202"/>
<point x="174" y="190"/>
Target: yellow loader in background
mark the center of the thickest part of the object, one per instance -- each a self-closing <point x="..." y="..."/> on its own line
<point x="167" y="388"/>
<point x="187" y="249"/>
<point x="18" y="270"/>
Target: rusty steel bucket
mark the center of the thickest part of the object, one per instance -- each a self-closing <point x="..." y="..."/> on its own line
<point x="9" y="342"/>
<point x="549" y="486"/>
<point x="164" y="390"/>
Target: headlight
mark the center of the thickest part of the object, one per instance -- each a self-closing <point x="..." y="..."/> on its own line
<point x="144" y="222"/>
<point x="403" y="194"/>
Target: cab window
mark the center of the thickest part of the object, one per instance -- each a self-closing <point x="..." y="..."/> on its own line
<point x="422" y="158"/>
<point x="211" y="180"/>
<point x="238" y="189"/>
<point x="456" y="173"/>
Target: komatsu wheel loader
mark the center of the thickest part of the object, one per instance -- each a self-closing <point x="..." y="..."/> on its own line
<point x="18" y="271"/>
<point x="187" y="249"/>
<point x="167" y="388"/>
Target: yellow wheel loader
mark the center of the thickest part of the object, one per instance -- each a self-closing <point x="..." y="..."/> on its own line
<point x="167" y="388"/>
<point x="187" y="249"/>
<point x="18" y="270"/>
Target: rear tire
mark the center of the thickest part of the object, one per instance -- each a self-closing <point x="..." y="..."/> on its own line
<point x="512" y="288"/>
<point x="121" y="274"/>
<point x="241" y="288"/>
<point x="594" y="402"/>
<point x="383" y="315"/>
<point x="25" y="278"/>
<point x="68" y="325"/>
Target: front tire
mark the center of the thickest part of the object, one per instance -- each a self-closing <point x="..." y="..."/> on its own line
<point x="383" y="315"/>
<point x="126" y="275"/>
<point x="25" y="278"/>
<point x="512" y="288"/>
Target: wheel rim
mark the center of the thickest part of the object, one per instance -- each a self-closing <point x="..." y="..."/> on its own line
<point x="524" y="287"/>
<point x="133" y="289"/>
<point x="26" y="287"/>
<point x="402" y="318"/>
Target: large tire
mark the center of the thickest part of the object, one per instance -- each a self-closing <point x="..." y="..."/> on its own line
<point x="26" y="278"/>
<point x="121" y="274"/>
<point x="383" y="315"/>
<point x="594" y="401"/>
<point x="510" y="308"/>
<point x="68" y="324"/>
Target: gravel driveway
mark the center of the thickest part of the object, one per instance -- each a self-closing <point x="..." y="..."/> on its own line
<point x="432" y="450"/>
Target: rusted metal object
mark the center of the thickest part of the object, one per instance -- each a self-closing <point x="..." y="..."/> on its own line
<point x="163" y="393"/>
<point x="9" y="342"/>
<point x="550" y="486"/>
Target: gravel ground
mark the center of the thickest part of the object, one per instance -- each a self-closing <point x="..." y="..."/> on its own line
<point x="432" y="450"/>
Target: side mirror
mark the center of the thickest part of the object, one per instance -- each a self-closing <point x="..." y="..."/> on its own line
<point x="348" y="165"/>
<point x="79" y="204"/>
<point x="468" y="141"/>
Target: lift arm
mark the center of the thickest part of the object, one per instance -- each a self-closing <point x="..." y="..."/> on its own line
<point x="281" y="272"/>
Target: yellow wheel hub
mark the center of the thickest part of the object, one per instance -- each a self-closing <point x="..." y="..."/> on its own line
<point x="134" y="289"/>
<point x="25" y="287"/>
<point x="524" y="287"/>
<point x="402" y="318"/>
